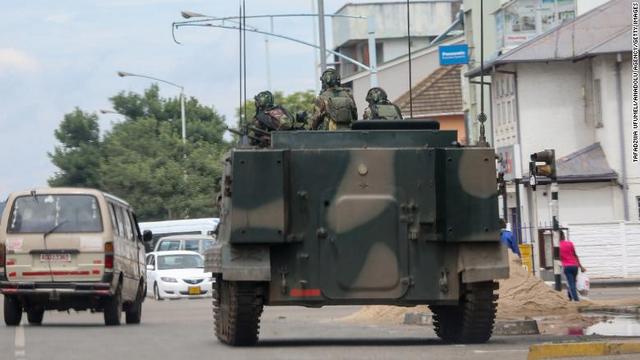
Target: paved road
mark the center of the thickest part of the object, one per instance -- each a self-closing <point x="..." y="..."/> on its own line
<point x="183" y="330"/>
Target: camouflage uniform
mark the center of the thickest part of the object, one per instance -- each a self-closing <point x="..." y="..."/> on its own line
<point x="380" y="107"/>
<point x="334" y="108"/>
<point x="269" y="117"/>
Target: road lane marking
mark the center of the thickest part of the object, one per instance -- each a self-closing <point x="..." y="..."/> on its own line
<point x="20" y="353"/>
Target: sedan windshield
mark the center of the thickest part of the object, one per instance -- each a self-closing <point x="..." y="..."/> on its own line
<point x="167" y="262"/>
<point x="64" y="213"/>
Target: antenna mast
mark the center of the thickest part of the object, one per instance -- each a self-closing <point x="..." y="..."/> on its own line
<point x="409" y="46"/>
<point x="482" y="117"/>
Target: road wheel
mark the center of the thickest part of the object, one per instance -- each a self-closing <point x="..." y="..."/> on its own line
<point x="12" y="311"/>
<point x="471" y="321"/>
<point x="156" y="292"/>
<point x="237" y="306"/>
<point x="134" y="312"/>
<point x="35" y="315"/>
<point x="113" y="308"/>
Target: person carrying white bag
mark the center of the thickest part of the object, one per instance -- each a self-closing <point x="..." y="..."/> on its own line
<point x="570" y="264"/>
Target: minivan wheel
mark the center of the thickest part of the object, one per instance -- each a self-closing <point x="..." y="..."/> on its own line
<point x="35" y="316"/>
<point x="113" y="308"/>
<point x="133" y="314"/>
<point x="156" y="292"/>
<point x="12" y="311"/>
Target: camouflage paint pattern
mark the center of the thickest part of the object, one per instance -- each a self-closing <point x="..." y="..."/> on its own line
<point x="360" y="217"/>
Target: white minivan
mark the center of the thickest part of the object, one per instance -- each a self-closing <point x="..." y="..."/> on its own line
<point x="71" y="248"/>
<point x="160" y="229"/>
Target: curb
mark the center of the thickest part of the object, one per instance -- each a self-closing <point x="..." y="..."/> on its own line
<point x="501" y="327"/>
<point x="605" y="283"/>
<point x="628" y="310"/>
<point x="516" y="327"/>
<point x="555" y="351"/>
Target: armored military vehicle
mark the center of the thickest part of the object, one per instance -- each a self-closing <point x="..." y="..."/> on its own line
<point x="390" y="213"/>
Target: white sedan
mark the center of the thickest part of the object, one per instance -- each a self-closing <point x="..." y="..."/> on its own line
<point x="177" y="274"/>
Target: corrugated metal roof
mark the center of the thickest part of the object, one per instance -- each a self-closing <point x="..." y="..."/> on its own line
<point x="605" y="29"/>
<point x="438" y="93"/>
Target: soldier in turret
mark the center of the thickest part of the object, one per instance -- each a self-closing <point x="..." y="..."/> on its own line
<point x="269" y="117"/>
<point x="334" y="108"/>
<point x="380" y="107"/>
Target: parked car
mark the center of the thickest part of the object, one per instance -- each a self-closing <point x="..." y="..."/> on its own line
<point x="177" y="274"/>
<point x="71" y="248"/>
<point x="197" y="243"/>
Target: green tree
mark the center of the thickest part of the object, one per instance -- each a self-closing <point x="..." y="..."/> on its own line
<point x="78" y="156"/>
<point x="144" y="161"/>
<point x="295" y="102"/>
<point x="144" y="157"/>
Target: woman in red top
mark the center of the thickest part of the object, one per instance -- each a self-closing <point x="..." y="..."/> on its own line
<point x="570" y="264"/>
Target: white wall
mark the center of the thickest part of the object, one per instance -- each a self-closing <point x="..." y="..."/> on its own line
<point x="552" y="108"/>
<point x="393" y="77"/>
<point x="427" y="19"/>
<point x="394" y="48"/>
<point x="585" y="202"/>
<point x="608" y="249"/>
<point x="583" y="6"/>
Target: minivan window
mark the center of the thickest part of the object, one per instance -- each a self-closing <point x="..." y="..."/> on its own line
<point x="135" y="230"/>
<point x="192" y="245"/>
<point x="168" y="245"/>
<point x="114" y="220"/>
<point x="119" y="220"/>
<point x="63" y="213"/>
<point x="207" y="244"/>
<point x="126" y="223"/>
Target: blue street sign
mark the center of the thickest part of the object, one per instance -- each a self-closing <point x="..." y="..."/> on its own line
<point x="454" y="54"/>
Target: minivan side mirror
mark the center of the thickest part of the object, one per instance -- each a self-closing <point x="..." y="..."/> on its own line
<point x="147" y="236"/>
<point x="150" y="267"/>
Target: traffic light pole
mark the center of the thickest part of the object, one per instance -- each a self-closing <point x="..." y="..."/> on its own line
<point x="556" y="234"/>
<point x="548" y="157"/>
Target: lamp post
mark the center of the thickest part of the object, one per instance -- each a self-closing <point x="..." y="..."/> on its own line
<point x="205" y="21"/>
<point x="182" y="99"/>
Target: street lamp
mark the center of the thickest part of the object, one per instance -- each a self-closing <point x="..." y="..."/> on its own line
<point x="205" y="21"/>
<point x="182" y="98"/>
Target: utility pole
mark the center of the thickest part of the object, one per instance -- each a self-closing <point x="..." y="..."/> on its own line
<point x="323" y="43"/>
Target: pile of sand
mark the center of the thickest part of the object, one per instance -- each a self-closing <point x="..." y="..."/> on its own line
<point x="522" y="295"/>
<point x="383" y="314"/>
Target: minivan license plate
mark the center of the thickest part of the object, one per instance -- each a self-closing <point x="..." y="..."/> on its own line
<point x="55" y="257"/>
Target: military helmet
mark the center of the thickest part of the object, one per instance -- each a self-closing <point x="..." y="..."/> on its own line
<point x="264" y="99"/>
<point x="376" y="95"/>
<point x="330" y="77"/>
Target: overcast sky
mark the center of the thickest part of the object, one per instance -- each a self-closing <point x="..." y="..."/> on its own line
<point x="56" y="55"/>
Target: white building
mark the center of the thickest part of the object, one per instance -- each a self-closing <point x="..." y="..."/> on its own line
<point x="428" y="19"/>
<point x="569" y="89"/>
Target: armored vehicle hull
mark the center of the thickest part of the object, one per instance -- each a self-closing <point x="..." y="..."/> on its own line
<point x="397" y="217"/>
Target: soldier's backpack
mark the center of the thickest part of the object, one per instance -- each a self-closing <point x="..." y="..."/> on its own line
<point x="385" y="111"/>
<point x="340" y="106"/>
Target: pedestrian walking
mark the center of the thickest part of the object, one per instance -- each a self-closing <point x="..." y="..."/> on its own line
<point x="570" y="264"/>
